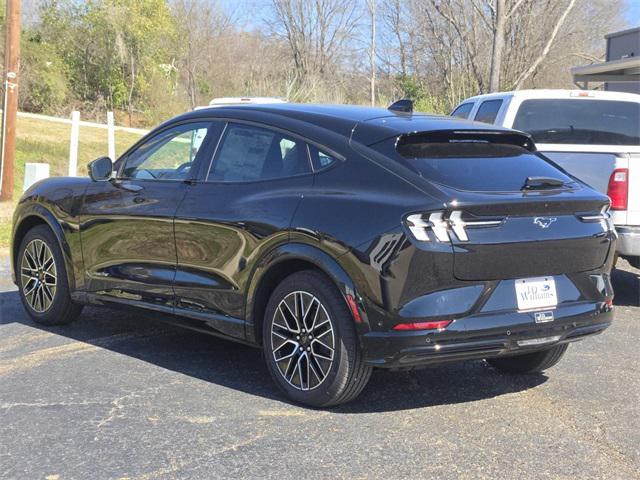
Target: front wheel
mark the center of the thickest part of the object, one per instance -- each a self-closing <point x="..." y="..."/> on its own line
<point x="529" y="362"/>
<point x="42" y="278"/>
<point x="310" y="343"/>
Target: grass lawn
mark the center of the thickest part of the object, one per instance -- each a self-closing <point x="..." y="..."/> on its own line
<point x="40" y="141"/>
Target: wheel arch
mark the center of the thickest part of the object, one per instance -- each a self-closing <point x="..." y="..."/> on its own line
<point x="34" y="216"/>
<point x="282" y="262"/>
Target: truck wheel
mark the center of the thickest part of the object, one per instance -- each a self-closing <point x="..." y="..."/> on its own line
<point x="529" y="362"/>
<point x="634" y="261"/>
<point x="310" y="342"/>
<point x="42" y="278"/>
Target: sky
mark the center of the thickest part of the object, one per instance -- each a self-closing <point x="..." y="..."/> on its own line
<point x="242" y="7"/>
<point x="632" y="13"/>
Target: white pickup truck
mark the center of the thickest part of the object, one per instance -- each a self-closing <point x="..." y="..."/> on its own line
<point x="594" y="135"/>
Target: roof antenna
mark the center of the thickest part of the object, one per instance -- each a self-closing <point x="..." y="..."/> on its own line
<point x="404" y="106"/>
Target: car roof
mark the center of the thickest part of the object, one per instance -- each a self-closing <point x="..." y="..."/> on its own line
<point x="366" y="125"/>
<point x="558" y="94"/>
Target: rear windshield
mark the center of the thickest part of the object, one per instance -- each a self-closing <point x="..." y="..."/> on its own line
<point x="580" y="121"/>
<point x="477" y="166"/>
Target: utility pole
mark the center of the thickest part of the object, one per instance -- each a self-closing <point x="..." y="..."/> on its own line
<point x="10" y="108"/>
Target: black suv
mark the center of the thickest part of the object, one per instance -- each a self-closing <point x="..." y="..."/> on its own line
<point x="337" y="238"/>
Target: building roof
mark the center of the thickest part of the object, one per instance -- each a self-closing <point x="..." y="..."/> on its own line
<point x="621" y="70"/>
<point x="622" y="32"/>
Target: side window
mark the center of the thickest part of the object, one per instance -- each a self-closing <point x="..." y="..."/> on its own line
<point x="247" y="153"/>
<point x="168" y="155"/>
<point x="463" y="110"/>
<point x="320" y="159"/>
<point x="488" y="111"/>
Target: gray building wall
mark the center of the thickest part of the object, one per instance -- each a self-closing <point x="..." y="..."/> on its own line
<point x="622" y="45"/>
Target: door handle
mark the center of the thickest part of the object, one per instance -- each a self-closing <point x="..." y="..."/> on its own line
<point x="130" y="187"/>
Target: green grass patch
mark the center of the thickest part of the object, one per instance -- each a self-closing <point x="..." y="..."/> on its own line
<point x="5" y="232"/>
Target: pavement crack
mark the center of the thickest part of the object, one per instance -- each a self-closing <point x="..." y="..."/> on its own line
<point x="236" y="446"/>
<point x="8" y="406"/>
<point x="120" y="403"/>
<point x="117" y="406"/>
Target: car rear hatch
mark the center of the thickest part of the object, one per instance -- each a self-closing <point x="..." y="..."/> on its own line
<point x="510" y="213"/>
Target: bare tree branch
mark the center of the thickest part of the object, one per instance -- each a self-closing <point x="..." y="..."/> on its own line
<point x="545" y="51"/>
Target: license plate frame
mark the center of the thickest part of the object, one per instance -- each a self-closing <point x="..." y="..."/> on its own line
<point x="538" y="293"/>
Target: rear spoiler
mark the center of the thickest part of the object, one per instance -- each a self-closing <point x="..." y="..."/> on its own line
<point x="504" y="137"/>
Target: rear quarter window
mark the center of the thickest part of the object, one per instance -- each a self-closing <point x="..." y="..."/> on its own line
<point x="580" y="121"/>
<point x="488" y="111"/>
<point x="463" y="110"/>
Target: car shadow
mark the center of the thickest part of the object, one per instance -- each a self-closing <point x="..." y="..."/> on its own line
<point x="626" y="285"/>
<point x="240" y="367"/>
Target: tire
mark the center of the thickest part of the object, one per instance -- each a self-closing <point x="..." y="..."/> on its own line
<point x="42" y="279"/>
<point x="634" y="261"/>
<point x="529" y="362"/>
<point x="313" y="376"/>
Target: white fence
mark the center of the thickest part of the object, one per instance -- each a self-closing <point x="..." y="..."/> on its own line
<point x="37" y="116"/>
<point x="75" y="124"/>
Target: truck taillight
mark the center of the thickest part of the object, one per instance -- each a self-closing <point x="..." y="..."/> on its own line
<point x="618" y="189"/>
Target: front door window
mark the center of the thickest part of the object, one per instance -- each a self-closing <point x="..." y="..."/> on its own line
<point x="168" y="155"/>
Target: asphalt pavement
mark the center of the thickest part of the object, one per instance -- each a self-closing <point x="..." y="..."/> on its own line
<point x="119" y="395"/>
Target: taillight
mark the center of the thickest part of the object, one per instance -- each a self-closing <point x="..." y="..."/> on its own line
<point x="618" y="189"/>
<point x="437" y="325"/>
<point x="439" y="224"/>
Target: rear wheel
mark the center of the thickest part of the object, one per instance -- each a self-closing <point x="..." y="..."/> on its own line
<point x="529" y="362"/>
<point x="42" y="278"/>
<point x="310" y="343"/>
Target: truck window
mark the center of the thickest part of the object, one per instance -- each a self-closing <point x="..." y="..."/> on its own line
<point x="580" y="121"/>
<point x="488" y="111"/>
<point x="463" y="110"/>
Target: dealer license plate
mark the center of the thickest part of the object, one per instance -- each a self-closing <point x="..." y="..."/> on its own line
<point x="536" y="293"/>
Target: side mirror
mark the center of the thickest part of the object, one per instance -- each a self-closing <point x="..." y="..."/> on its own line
<point x="100" y="169"/>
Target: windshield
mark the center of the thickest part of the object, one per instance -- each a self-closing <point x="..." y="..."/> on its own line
<point x="478" y="166"/>
<point x="580" y="121"/>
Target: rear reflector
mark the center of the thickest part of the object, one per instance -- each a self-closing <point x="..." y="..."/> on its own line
<point x="618" y="190"/>
<point x="438" y="325"/>
<point x="353" y="306"/>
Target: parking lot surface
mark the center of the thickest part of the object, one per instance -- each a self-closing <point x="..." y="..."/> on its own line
<point x="120" y="395"/>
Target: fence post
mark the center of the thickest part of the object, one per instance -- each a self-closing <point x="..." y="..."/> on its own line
<point x="111" y="136"/>
<point x="73" y="145"/>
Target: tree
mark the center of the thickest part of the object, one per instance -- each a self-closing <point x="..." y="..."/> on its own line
<point x="316" y="32"/>
<point x="202" y="30"/>
<point x="110" y="47"/>
<point x="43" y="82"/>
<point x="150" y="59"/>
<point x="456" y="48"/>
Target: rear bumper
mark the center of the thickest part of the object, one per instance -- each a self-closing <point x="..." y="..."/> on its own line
<point x="486" y="335"/>
<point x="628" y="240"/>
